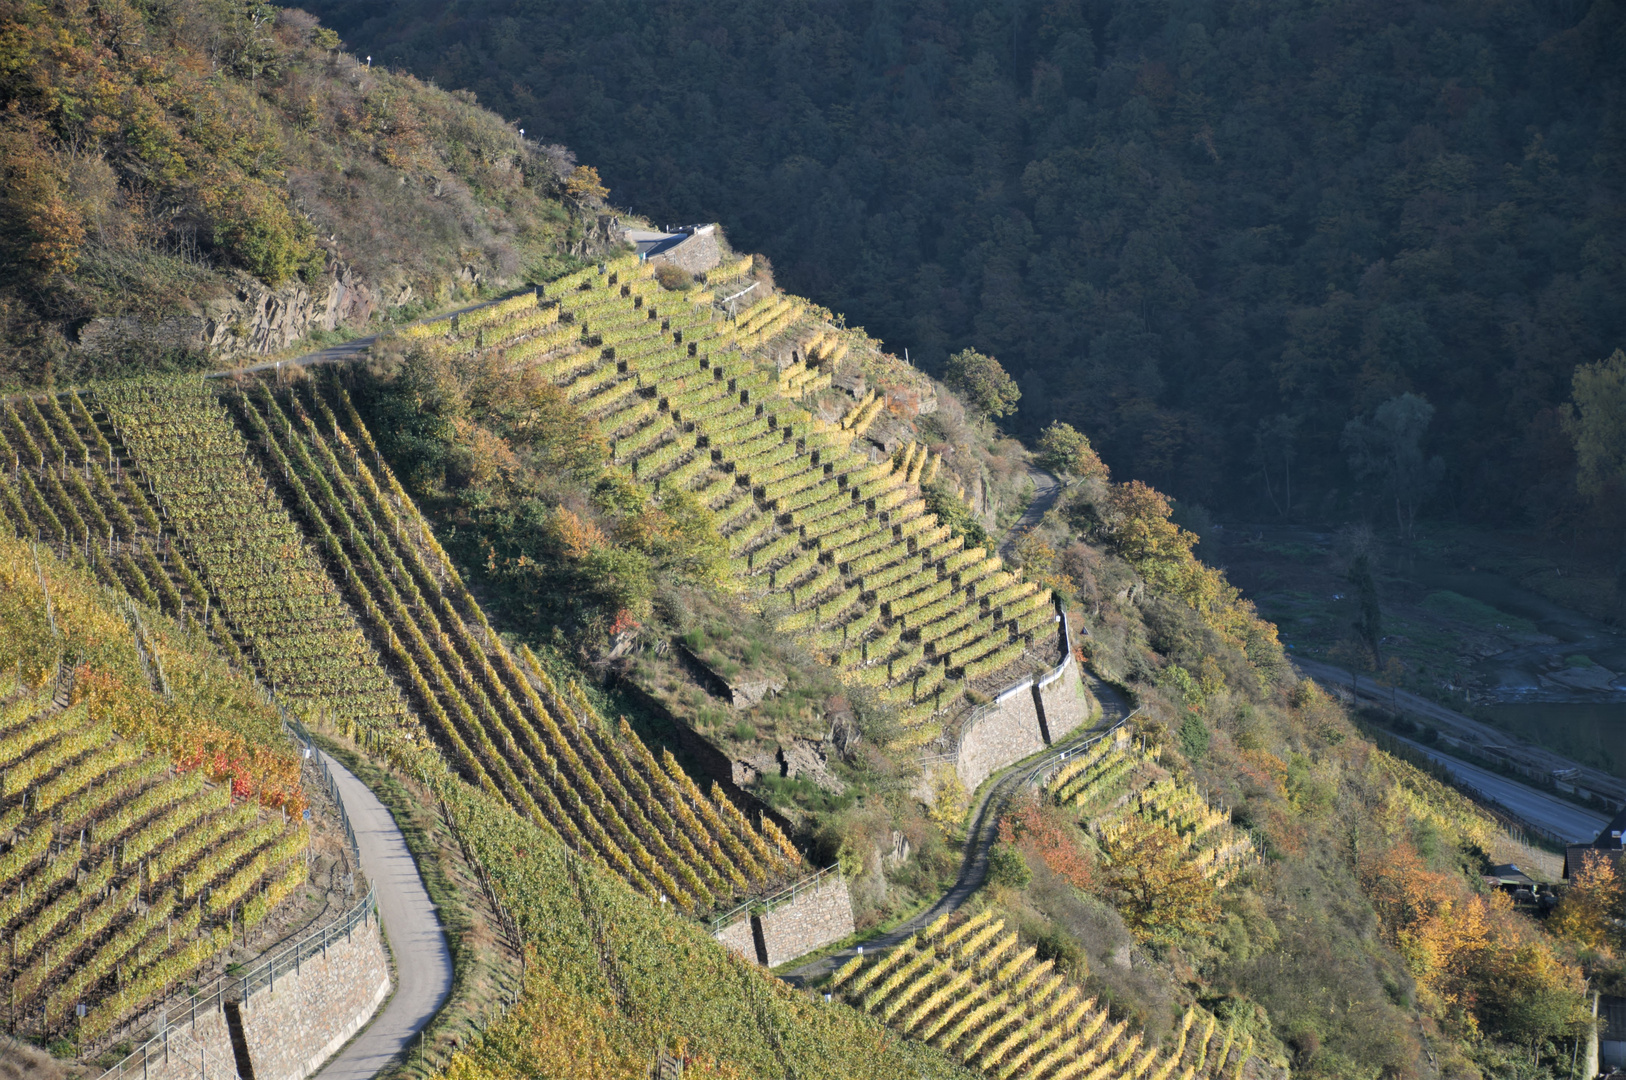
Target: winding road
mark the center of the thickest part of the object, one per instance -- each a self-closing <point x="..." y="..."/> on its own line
<point x="423" y="964"/>
<point x="1046" y="490"/>
<point x="984" y="831"/>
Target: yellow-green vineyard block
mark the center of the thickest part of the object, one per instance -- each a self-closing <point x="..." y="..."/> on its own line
<point x="773" y="549"/>
<point x="938" y="635"/>
<point x="799" y="567"/>
<point x="951" y="602"/>
<point x="995" y="661"/>
<point x="978" y="647"/>
<point x="871" y="542"/>
<point x="839" y="603"/>
<point x="611" y="398"/>
<point x="742" y="538"/>
<point x="1010" y="594"/>
<point x="860" y="624"/>
<point x="818" y="499"/>
<point x="642" y="438"/>
<point x="881" y="646"/>
<point x="804" y="591"/>
<point x="920" y="598"/>
<point x="941" y="549"/>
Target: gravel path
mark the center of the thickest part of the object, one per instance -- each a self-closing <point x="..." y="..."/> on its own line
<point x="984" y="831"/>
<point x="423" y="965"/>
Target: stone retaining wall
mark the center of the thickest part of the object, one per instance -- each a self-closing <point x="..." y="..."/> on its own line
<point x="1025" y="718"/>
<point x="697" y="254"/>
<point x="1007" y="732"/>
<point x="293" y="1027"/>
<point x="290" y="1029"/>
<point x="811" y="919"/>
<point x="738" y="938"/>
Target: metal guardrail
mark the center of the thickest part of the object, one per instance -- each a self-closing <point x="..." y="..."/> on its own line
<point x="310" y="752"/>
<point x="241" y="986"/>
<point x="774" y="900"/>
<point x="982" y="712"/>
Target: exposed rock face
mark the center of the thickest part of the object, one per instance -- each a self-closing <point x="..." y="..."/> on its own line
<point x="743" y="695"/>
<point x="804" y="757"/>
<point x="252" y="318"/>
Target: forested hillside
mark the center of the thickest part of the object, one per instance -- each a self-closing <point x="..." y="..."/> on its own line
<point x="1209" y="235"/>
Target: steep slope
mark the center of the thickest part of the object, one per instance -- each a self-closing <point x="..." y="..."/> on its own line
<point x="149" y="804"/>
<point x="837" y="542"/>
<point x="199" y="180"/>
<point x="1209" y="236"/>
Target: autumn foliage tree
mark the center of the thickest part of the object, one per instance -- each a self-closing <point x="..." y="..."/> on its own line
<point x="985" y="385"/>
<point x="1476" y="961"/>
<point x="1159" y="892"/>
<point x="1591" y="909"/>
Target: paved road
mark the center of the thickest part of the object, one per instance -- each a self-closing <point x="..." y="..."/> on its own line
<point x="1046" y="489"/>
<point x="984" y="831"/>
<point x="1474" y="733"/>
<point x="423" y="965"/>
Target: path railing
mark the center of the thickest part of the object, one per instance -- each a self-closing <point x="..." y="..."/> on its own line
<point x="241" y="986"/>
<point x="778" y="899"/>
<point x="982" y="712"/>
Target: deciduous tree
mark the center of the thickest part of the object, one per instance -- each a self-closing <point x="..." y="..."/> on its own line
<point x="986" y="386"/>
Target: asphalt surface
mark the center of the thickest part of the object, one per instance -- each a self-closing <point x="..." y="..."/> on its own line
<point x="1046" y="489"/>
<point x="1476" y="734"/>
<point x="423" y="964"/>
<point x="981" y="836"/>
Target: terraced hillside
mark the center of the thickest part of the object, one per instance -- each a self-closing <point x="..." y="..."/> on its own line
<point x="154" y="491"/>
<point x="974" y="992"/>
<point x="351" y="613"/>
<point x="140" y="835"/>
<point x="842" y="545"/>
<point x="508" y="727"/>
<point x="1115" y="780"/>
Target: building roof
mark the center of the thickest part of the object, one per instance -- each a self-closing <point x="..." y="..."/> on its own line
<point x="1509" y="874"/>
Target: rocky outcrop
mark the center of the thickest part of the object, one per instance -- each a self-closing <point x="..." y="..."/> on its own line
<point x="250" y="317"/>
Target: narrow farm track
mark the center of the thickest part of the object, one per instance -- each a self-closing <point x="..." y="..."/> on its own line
<point x="996" y="797"/>
<point x="1046" y="490"/>
<point x="423" y="964"/>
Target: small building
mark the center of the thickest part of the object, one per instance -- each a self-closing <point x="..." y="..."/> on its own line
<point x="1608" y="843"/>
